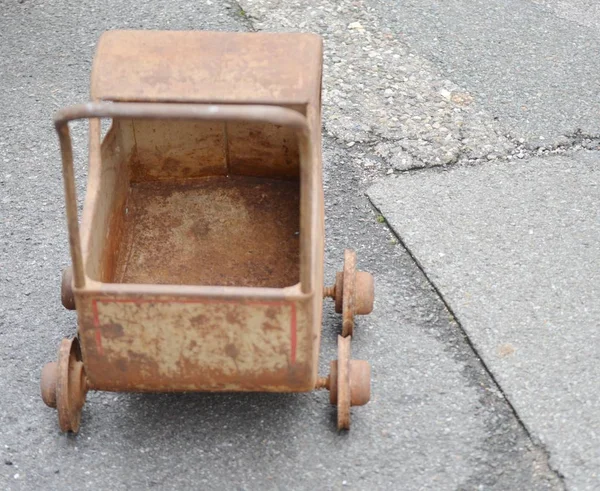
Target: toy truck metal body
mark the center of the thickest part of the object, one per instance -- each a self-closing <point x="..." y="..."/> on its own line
<point x="198" y="263"/>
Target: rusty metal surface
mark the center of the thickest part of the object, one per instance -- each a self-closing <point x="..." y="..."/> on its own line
<point x="176" y="343"/>
<point x="343" y="396"/>
<point x="99" y="196"/>
<point x="165" y="149"/>
<point x="265" y="150"/>
<point x="360" y="382"/>
<point x="225" y="231"/>
<point x="349" y="381"/>
<point x="349" y="293"/>
<point x="254" y="113"/>
<point x="360" y="291"/>
<point x="159" y="350"/>
<point x="48" y="383"/>
<point x="70" y="384"/>
<point x="365" y="293"/>
<point x="209" y="67"/>
<point x="201" y="255"/>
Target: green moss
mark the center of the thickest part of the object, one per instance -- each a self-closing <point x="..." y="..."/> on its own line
<point x="380" y="219"/>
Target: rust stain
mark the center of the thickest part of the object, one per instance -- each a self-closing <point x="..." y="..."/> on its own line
<point x="505" y="350"/>
<point x="112" y="330"/>
<point x="232" y="351"/>
<point x="199" y="319"/>
<point x="212" y="231"/>
<point x="233" y="317"/>
<point x="160" y="343"/>
<point x="269" y="326"/>
<point x="271" y="314"/>
<point x="200" y="228"/>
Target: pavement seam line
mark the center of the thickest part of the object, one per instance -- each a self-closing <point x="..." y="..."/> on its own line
<point x="534" y="441"/>
<point x="520" y="154"/>
<point x="369" y="145"/>
<point x="558" y="152"/>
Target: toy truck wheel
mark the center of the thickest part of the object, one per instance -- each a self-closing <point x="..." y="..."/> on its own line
<point x="349" y="383"/>
<point x="66" y="289"/>
<point x="64" y="385"/>
<point x="71" y="385"/>
<point x="365" y="293"/>
<point x="48" y="383"/>
<point x="353" y="292"/>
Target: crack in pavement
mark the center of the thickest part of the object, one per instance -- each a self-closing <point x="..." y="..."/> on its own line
<point x="535" y="441"/>
<point x="242" y="15"/>
<point x="376" y="91"/>
<point x="505" y="440"/>
<point x="375" y="85"/>
<point x="499" y="242"/>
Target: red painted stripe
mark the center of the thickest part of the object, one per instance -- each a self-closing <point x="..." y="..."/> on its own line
<point x="97" y="328"/>
<point x="293" y="334"/>
<point x="272" y="303"/>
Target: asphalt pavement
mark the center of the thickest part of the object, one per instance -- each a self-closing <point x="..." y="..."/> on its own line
<point x="531" y="69"/>
<point x="437" y="418"/>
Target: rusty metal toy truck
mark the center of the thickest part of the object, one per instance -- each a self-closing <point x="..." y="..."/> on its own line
<point x="198" y="263"/>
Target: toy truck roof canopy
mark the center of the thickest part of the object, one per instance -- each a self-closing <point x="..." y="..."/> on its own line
<point x="208" y="67"/>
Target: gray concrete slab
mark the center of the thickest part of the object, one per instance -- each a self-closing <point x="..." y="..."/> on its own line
<point x="436" y="420"/>
<point x="531" y="66"/>
<point x="514" y="249"/>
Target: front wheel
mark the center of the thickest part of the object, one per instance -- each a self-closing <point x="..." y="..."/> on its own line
<point x="64" y="385"/>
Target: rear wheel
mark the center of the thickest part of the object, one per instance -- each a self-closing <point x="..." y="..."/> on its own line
<point x="349" y="383"/>
<point x="64" y="385"/>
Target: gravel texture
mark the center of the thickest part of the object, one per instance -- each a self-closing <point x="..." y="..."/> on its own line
<point x="514" y="250"/>
<point x="380" y="93"/>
